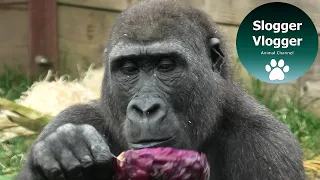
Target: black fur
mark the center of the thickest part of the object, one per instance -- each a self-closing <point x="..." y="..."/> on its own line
<point x="167" y="77"/>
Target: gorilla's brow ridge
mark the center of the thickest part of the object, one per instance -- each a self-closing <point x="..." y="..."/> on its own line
<point x="128" y="49"/>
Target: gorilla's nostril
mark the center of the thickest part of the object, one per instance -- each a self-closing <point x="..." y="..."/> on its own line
<point x="136" y="109"/>
<point x="153" y="109"/>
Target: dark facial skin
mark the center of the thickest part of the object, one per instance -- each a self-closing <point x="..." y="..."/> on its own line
<point x="148" y="77"/>
<point x="167" y="83"/>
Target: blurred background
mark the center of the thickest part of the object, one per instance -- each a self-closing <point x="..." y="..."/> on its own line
<point x="68" y="37"/>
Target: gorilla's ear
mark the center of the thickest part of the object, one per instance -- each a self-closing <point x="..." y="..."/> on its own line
<point x="217" y="56"/>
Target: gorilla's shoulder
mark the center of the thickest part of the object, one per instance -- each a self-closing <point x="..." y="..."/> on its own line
<point x="85" y="110"/>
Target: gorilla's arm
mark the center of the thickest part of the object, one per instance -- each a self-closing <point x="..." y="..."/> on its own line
<point x="255" y="145"/>
<point x="77" y="115"/>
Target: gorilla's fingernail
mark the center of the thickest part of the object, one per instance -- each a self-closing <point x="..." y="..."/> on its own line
<point x="86" y="158"/>
<point x="56" y="173"/>
<point x="86" y="161"/>
<point x="87" y="164"/>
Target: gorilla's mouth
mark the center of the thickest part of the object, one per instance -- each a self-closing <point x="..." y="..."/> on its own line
<point x="147" y="143"/>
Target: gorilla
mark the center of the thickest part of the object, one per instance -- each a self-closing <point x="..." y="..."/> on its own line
<point x="167" y="83"/>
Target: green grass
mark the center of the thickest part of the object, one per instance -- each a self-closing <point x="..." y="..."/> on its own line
<point x="292" y="112"/>
<point x="12" y="154"/>
<point x="12" y="83"/>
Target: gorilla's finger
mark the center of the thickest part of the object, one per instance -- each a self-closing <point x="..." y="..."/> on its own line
<point x="75" y="142"/>
<point x="99" y="148"/>
<point x="100" y="151"/>
<point x="70" y="165"/>
<point x="49" y="166"/>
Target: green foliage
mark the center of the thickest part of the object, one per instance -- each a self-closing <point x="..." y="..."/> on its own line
<point x="6" y="177"/>
<point x="12" y="83"/>
<point x="12" y="154"/>
<point x="293" y="112"/>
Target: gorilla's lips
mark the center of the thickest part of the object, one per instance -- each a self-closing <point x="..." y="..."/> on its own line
<point x="161" y="163"/>
<point x="153" y="143"/>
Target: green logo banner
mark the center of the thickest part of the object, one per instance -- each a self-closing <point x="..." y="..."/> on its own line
<point x="277" y="42"/>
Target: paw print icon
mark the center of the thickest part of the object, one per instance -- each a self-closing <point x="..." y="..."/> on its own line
<point x="277" y="70"/>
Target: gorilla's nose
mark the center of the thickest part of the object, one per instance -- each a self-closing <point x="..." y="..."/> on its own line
<point x="146" y="108"/>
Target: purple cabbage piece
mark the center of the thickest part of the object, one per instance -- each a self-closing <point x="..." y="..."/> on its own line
<point x="162" y="163"/>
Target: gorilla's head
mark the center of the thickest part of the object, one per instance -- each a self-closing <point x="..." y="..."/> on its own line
<point x="165" y="76"/>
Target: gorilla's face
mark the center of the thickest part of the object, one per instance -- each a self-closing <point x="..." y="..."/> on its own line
<point x="148" y="76"/>
<point x="160" y="82"/>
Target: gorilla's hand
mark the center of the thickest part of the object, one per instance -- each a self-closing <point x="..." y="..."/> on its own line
<point x="73" y="152"/>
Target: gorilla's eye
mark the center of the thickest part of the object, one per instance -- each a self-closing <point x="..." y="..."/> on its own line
<point x="129" y="68"/>
<point x="166" y="65"/>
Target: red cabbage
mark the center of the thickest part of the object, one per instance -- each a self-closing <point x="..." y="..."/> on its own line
<point x="162" y="163"/>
